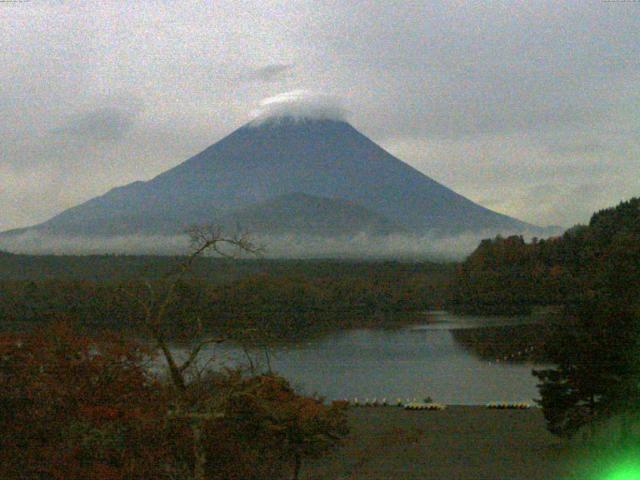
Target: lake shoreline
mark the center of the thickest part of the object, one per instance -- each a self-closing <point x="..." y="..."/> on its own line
<point x="413" y="361"/>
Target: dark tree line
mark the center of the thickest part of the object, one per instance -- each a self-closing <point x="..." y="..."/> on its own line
<point x="597" y="347"/>
<point x="281" y="303"/>
<point x="593" y="273"/>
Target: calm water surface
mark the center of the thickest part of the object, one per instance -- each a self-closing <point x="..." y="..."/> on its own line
<point x="414" y="361"/>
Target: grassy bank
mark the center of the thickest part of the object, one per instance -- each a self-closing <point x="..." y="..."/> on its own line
<point x="460" y="442"/>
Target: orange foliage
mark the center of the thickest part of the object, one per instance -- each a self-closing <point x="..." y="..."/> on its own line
<point x="74" y="408"/>
<point x="271" y="428"/>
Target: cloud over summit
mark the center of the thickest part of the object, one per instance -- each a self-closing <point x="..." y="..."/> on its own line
<point x="300" y="105"/>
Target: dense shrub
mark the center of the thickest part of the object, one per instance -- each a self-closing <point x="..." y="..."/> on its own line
<point x="74" y="407"/>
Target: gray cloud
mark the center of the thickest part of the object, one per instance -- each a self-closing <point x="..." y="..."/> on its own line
<point x="102" y="124"/>
<point x="491" y="98"/>
<point x="270" y="73"/>
<point x="577" y="148"/>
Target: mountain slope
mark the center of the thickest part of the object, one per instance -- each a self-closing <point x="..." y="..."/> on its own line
<point x="259" y="162"/>
<point x="308" y="215"/>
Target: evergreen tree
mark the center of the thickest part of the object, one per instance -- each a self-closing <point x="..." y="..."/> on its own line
<point x="596" y="348"/>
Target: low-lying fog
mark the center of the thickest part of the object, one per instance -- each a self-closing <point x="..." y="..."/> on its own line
<point x="274" y="246"/>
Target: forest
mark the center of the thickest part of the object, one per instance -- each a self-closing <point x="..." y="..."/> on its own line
<point x="278" y="298"/>
<point x="592" y="273"/>
<point x="510" y="275"/>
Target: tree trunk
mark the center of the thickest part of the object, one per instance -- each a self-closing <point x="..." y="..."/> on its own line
<point x="199" y="455"/>
<point x="176" y="375"/>
<point x="296" y="466"/>
<point x="252" y="367"/>
<point x="268" y="358"/>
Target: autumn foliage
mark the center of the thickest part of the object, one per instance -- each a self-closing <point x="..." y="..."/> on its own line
<point x="79" y="407"/>
<point x="71" y="408"/>
<point x="268" y="429"/>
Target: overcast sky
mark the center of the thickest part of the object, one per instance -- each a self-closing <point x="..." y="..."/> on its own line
<point x="528" y="107"/>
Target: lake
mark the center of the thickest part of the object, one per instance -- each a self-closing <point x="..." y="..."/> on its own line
<point x="413" y="361"/>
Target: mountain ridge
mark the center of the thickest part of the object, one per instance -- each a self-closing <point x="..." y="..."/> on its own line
<point x="280" y="158"/>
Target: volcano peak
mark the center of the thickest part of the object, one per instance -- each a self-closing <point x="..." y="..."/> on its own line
<point x="297" y="168"/>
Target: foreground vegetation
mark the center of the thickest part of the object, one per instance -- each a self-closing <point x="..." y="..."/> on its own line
<point x="78" y="407"/>
<point x="74" y="407"/>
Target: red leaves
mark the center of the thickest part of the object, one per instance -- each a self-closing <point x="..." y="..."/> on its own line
<point x="297" y="424"/>
<point x="104" y="472"/>
<point x="75" y="407"/>
<point x="99" y="413"/>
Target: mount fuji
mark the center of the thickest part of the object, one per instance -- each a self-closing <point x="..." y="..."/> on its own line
<point x="284" y="174"/>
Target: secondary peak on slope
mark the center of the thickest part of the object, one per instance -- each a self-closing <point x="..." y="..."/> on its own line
<point x="297" y="106"/>
<point x="298" y="168"/>
<point x="309" y="215"/>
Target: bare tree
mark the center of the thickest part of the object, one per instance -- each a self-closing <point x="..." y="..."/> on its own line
<point x="154" y="304"/>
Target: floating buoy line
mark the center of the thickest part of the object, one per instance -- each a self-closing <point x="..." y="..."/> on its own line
<point x="515" y="356"/>
<point x="509" y="405"/>
<point x="414" y="404"/>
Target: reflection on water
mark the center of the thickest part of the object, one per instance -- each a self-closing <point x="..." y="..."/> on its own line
<point x="442" y="320"/>
<point x="414" y="361"/>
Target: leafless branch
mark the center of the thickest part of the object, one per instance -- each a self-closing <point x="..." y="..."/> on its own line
<point x="204" y="238"/>
<point x="195" y="351"/>
<point x="154" y="306"/>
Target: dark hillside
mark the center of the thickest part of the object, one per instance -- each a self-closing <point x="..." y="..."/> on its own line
<point x="507" y="275"/>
